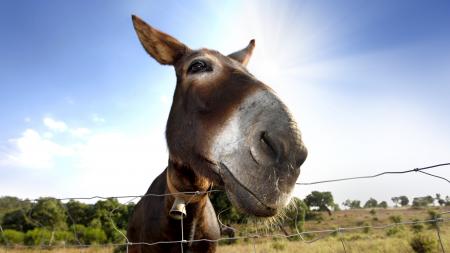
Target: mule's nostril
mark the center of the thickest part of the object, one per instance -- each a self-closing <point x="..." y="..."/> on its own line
<point x="271" y="144"/>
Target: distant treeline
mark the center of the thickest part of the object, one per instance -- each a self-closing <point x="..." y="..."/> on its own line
<point x="48" y="221"/>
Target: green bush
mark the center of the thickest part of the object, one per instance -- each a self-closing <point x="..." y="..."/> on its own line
<point x="395" y="218"/>
<point x="38" y="236"/>
<point x="78" y="232"/>
<point x="423" y="243"/>
<point x="393" y="230"/>
<point x="117" y="237"/>
<point x="64" y="237"/>
<point x="94" y="236"/>
<point x="417" y="227"/>
<point x="278" y="246"/>
<point x="433" y="215"/>
<point x="367" y="227"/>
<point x="11" y="237"/>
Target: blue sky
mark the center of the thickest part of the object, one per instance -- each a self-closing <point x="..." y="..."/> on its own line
<point x="83" y="107"/>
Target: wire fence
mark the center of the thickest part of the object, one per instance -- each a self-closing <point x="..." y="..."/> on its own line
<point x="321" y="234"/>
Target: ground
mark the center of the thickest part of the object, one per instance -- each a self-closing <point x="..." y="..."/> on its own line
<point x="391" y="239"/>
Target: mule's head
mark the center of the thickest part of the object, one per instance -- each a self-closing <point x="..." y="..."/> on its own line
<point x="227" y="125"/>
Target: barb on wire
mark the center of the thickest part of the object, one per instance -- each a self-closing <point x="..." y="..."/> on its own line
<point x="381" y="174"/>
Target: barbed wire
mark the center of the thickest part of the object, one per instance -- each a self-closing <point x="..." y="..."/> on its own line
<point x="421" y="170"/>
<point x="133" y="196"/>
<point x="383" y="173"/>
<point x="252" y="236"/>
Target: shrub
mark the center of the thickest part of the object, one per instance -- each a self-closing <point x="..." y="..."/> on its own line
<point x="433" y="215"/>
<point x="393" y="231"/>
<point x="11" y="237"/>
<point x="94" y="236"/>
<point x="38" y="236"/>
<point x="373" y="212"/>
<point x="366" y="228"/>
<point x="278" y="246"/>
<point x="117" y="237"/>
<point x="423" y="243"/>
<point x="78" y="232"/>
<point x="395" y="218"/>
<point x="417" y="227"/>
<point x="64" y="237"/>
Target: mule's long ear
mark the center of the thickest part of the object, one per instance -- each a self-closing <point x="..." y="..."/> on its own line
<point x="163" y="47"/>
<point x="243" y="55"/>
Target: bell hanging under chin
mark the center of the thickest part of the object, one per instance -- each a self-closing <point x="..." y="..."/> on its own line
<point x="178" y="210"/>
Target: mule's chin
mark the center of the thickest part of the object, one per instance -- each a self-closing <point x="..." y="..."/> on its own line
<point x="242" y="198"/>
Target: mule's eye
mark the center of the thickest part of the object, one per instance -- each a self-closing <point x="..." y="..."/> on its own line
<point x="198" y="66"/>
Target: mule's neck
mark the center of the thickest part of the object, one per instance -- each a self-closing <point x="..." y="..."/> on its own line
<point x="182" y="178"/>
<point x="187" y="190"/>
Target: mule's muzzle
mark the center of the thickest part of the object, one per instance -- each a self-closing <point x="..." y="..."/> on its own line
<point x="242" y="197"/>
<point x="261" y="151"/>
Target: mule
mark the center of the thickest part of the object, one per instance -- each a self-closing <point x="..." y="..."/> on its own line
<point x="226" y="128"/>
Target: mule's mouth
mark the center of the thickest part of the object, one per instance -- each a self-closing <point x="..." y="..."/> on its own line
<point x="243" y="198"/>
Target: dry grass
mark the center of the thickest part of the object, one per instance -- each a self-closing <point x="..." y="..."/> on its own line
<point x="327" y="245"/>
<point x="64" y="250"/>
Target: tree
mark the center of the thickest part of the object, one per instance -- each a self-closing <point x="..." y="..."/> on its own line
<point x="336" y="207"/>
<point x="356" y="204"/>
<point x="17" y="220"/>
<point x="423" y="201"/>
<point x="49" y="213"/>
<point x="79" y="213"/>
<point x="371" y="203"/>
<point x="9" y="204"/>
<point x="404" y="201"/>
<point x="110" y="215"/>
<point x="352" y="204"/>
<point x="383" y="204"/>
<point x="396" y="201"/>
<point x="323" y="201"/>
<point x="440" y="201"/>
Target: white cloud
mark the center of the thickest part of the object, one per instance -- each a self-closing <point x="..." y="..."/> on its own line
<point x="48" y="135"/>
<point x="118" y="158"/>
<point x="125" y="160"/>
<point x="80" y="132"/>
<point x="55" y="125"/>
<point x="33" y="151"/>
